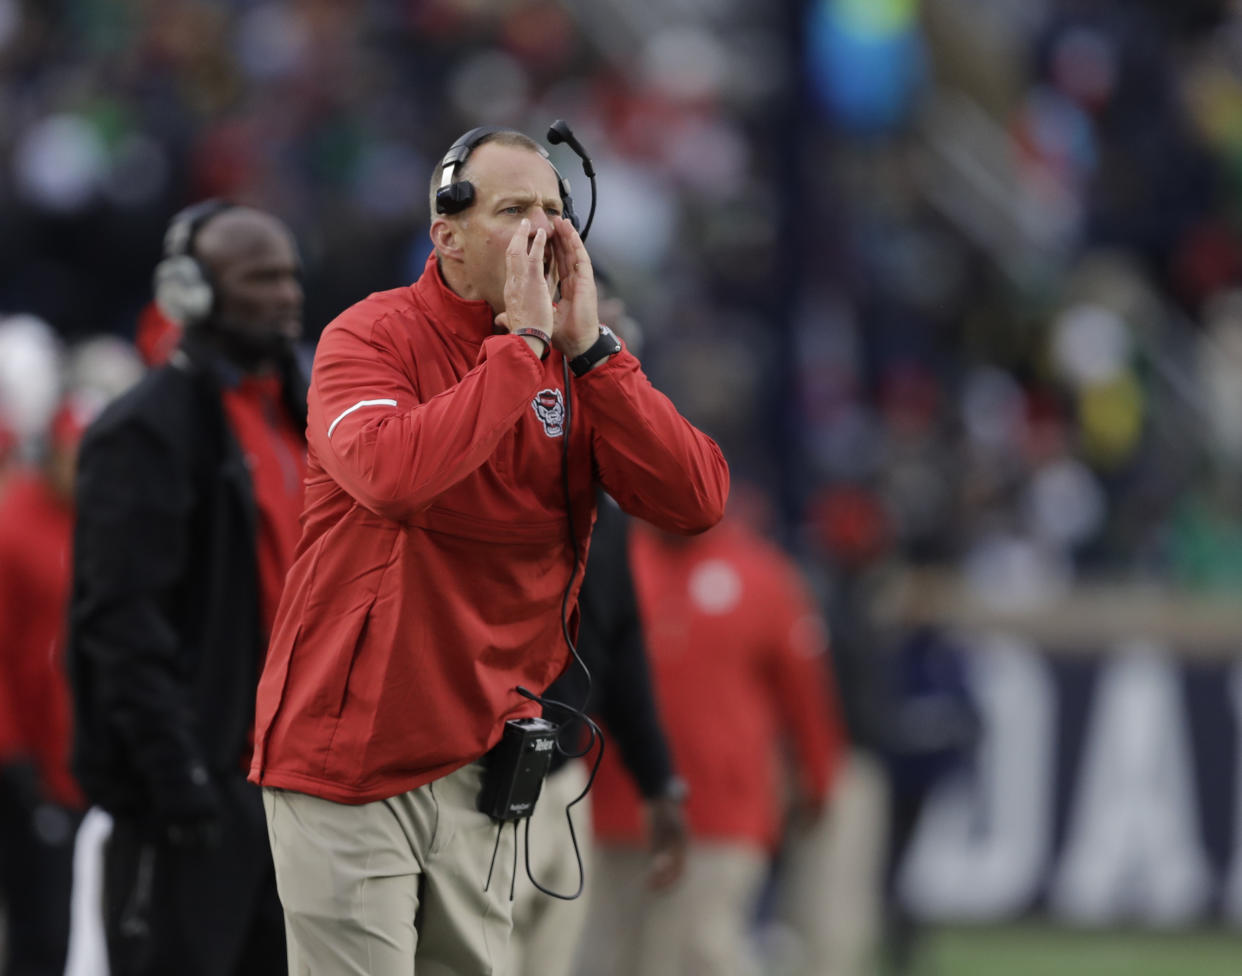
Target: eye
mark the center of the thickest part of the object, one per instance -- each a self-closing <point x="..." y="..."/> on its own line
<point x="553" y="211"/>
<point x="515" y="209"/>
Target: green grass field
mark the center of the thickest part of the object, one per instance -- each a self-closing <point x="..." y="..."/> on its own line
<point x="1039" y="950"/>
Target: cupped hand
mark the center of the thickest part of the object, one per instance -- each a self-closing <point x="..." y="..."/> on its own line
<point x="528" y="299"/>
<point x="577" y="313"/>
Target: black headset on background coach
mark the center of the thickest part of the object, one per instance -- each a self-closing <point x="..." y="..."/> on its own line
<point x="185" y="293"/>
<point x="455" y="196"/>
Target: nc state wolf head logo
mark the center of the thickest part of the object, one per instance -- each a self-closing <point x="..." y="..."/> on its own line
<point x="550" y="409"/>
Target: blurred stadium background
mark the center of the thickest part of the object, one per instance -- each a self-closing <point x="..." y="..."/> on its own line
<point x="955" y="283"/>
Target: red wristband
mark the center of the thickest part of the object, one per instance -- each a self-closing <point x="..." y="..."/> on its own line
<point x="538" y="334"/>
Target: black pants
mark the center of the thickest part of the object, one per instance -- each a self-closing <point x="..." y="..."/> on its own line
<point x="36" y="877"/>
<point x="195" y="911"/>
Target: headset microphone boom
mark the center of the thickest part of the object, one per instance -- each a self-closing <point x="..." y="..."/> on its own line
<point x="558" y="132"/>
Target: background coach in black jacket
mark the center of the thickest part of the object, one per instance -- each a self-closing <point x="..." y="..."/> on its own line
<point x="183" y="535"/>
<point x="546" y="930"/>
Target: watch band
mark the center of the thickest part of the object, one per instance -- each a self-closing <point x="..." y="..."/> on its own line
<point x="606" y="345"/>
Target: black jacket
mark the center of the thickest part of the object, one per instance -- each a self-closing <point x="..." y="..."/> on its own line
<point x="610" y="642"/>
<point x="164" y="634"/>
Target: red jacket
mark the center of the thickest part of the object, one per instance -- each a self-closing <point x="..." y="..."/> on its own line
<point x="435" y="548"/>
<point x="36" y="532"/>
<point x="737" y="660"/>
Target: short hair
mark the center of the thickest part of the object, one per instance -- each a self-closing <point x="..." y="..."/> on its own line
<point x="504" y="137"/>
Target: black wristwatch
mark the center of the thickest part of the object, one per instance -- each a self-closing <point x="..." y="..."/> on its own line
<point x="606" y="345"/>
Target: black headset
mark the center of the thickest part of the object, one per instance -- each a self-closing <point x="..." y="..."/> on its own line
<point x="454" y="196"/>
<point x="183" y="288"/>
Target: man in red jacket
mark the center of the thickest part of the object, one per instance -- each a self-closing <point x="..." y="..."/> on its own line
<point x="737" y="660"/>
<point x="437" y="553"/>
<point x="39" y="799"/>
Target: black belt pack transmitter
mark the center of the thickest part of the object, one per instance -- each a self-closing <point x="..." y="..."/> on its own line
<point x="515" y="767"/>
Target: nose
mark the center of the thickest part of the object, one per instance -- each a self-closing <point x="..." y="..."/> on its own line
<point x="541" y="219"/>
<point x="291" y="292"/>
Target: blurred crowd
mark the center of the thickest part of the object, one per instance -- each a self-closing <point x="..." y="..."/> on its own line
<point x="1020" y="315"/>
<point x="332" y="115"/>
<point x="953" y="282"/>
<point x="1018" y="322"/>
<point x="991" y="245"/>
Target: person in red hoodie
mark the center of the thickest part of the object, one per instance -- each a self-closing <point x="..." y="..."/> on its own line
<point x="40" y="802"/>
<point x="450" y="422"/>
<point x="737" y="657"/>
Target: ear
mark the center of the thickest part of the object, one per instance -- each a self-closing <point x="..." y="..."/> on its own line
<point x="445" y="238"/>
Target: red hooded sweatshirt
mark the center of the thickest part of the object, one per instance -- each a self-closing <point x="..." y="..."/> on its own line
<point x="36" y="536"/>
<point x="737" y="659"/>
<point x="435" y="552"/>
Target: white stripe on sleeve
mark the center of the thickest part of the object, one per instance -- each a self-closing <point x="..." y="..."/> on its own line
<point x="357" y="406"/>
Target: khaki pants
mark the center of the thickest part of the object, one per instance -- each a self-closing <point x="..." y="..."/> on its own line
<point x="393" y="887"/>
<point x="700" y="927"/>
<point x="831" y="892"/>
<point x="546" y="930"/>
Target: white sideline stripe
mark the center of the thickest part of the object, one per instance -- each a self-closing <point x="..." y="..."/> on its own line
<point x="358" y="405"/>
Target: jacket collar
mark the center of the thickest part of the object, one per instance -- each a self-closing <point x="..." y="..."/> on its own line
<point x="197" y="357"/>
<point x="471" y="320"/>
<point x="194" y="355"/>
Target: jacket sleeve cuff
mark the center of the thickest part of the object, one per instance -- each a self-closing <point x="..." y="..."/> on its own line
<point x="512" y="347"/>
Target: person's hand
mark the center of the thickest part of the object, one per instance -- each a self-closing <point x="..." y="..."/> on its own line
<point x="528" y="295"/>
<point x="20" y="787"/>
<point x="806" y="813"/>
<point x="577" y="313"/>
<point x="669" y="838"/>
<point x="187" y="807"/>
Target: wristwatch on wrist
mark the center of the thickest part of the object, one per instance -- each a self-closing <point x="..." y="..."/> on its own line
<point x="606" y="345"/>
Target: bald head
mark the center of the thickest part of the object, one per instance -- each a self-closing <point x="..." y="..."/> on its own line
<point x="253" y="264"/>
<point x="511" y="183"/>
<point x="239" y="233"/>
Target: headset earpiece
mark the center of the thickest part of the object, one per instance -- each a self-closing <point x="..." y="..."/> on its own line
<point x="183" y="289"/>
<point x="567" y="200"/>
<point x="454" y="196"/>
